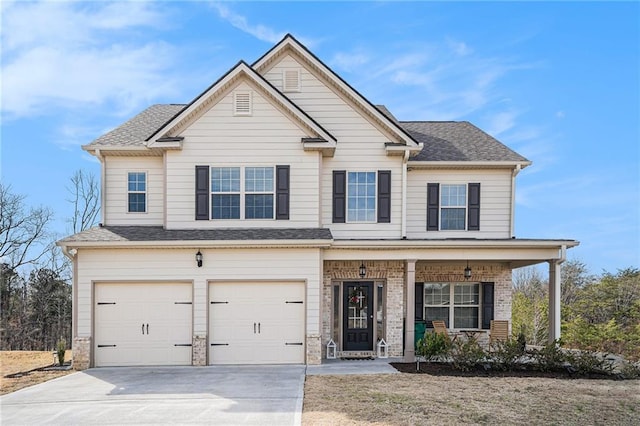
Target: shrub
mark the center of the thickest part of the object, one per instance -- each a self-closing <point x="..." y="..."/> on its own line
<point x="467" y="353"/>
<point x="434" y="346"/>
<point x="550" y="357"/>
<point x="61" y="349"/>
<point x="630" y="371"/>
<point x="506" y="354"/>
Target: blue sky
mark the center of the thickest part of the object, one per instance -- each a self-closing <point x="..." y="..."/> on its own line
<point x="557" y="82"/>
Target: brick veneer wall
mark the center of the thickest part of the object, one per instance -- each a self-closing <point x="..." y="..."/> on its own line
<point x="392" y="273"/>
<point x="498" y="273"/>
<point x="81" y="353"/>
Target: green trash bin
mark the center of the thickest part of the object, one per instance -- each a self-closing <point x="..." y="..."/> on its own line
<point x="420" y="328"/>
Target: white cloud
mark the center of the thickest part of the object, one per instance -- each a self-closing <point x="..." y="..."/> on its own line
<point x="560" y="114"/>
<point x="500" y="122"/>
<point x="261" y="32"/>
<point x="349" y="61"/>
<point x="73" y="55"/>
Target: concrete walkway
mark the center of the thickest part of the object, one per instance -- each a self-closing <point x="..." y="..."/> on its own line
<point x="248" y="395"/>
<point x="221" y="395"/>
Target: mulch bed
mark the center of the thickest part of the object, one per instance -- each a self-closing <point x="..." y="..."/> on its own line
<point x="446" y="369"/>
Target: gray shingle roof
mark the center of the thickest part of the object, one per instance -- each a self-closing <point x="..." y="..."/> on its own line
<point x="158" y="233"/>
<point x="457" y="141"/>
<point x="135" y="131"/>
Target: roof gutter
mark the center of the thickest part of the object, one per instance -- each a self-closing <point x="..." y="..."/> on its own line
<point x="469" y="164"/>
<point x="198" y="243"/>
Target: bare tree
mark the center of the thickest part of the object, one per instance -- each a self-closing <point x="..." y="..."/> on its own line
<point x="85" y="196"/>
<point x="23" y="234"/>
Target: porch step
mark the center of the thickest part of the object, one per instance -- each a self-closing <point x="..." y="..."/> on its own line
<point x="357" y="355"/>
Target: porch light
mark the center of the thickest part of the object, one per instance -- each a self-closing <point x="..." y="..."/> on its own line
<point x="331" y="349"/>
<point x="199" y="259"/>
<point x="383" y="349"/>
<point x="362" y="270"/>
<point x="467" y="272"/>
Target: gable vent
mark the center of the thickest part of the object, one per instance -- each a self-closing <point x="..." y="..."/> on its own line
<point x="242" y="103"/>
<point x="291" y="80"/>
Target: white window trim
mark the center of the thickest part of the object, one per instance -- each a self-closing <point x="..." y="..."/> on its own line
<point x="243" y="192"/>
<point x="465" y="207"/>
<point x="452" y="304"/>
<point x="236" y="111"/>
<point x="145" y="192"/>
<point x="375" y="195"/>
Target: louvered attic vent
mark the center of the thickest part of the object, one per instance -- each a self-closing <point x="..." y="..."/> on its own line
<point x="291" y="80"/>
<point x="242" y="103"/>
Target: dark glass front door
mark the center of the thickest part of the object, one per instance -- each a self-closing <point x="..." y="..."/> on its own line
<point x="357" y="316"/>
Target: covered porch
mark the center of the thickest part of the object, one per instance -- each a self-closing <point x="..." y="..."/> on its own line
<point x="377" y="291"/>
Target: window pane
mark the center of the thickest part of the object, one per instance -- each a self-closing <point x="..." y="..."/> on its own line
<point x="454" y="195"/>
<point x="380" y="313"/>
<point x="361" y="199"/>
<point x="225" y="206"/>
<point x="453" y="219"/>
<point x="466" y="294"/>
<point x="137" y="203"/>
<point x="465" y="317"/>
<point x="225" y="179"/>
<point x="434" y="314"/>
<point x="436" y="294"/>
<point x="136" y="181"/>
<point x="258" y="206"/>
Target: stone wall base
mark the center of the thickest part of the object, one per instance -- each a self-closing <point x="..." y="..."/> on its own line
<point x="81" y="353"/>
<point x="314" y="349"/>
<point x="199" y="351"/>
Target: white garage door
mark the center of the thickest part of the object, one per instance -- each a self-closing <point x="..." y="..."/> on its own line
<point x="256" y="323"/>
<point x="143" y="324"/>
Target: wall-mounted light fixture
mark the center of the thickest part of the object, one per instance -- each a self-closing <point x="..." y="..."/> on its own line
<point x="199" y="259"/>
<point x="467" y="272"/>
<point x="362" y="270"/>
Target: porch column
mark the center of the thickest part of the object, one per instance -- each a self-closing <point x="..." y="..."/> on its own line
<point x="410" y="303"/>
<point x="554" y="300"/>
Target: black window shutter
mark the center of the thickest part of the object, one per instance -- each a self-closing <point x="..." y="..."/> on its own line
<point x="433" y="205"/>
<point x="384" y="196"/>
<point x="487" y="305"/>
<point x="473" y="201"/>
<point x="282" y="192"/>
<point x="202" y="192"/>
<point x="419" y="302"/>
<point x="339" y="196"/>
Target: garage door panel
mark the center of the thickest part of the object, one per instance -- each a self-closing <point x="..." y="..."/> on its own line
<point x="251" y="323"/>
<point x="141" y="324"/>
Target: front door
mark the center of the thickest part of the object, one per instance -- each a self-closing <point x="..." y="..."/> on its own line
<point x="358" y="316"/>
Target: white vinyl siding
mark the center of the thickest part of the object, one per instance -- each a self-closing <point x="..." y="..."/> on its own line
<point x="359" y="141"/>
<point x="117" y="191"/>
<point x="179" y="265"/>
<point x="267" y="137"/>
<point x="495" y="201"/>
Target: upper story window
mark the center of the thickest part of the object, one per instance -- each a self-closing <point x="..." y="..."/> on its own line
<point x="361" y="197"/>
<point x="137" y="192"/>
<point x="453" y="207"/>
<point x="242" y="193"/>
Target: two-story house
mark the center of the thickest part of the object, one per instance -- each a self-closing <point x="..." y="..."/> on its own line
<point x="280" y="210"/>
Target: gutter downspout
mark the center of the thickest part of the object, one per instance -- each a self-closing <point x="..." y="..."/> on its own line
<point x="103" y="193"/>
<point x="514" y="173"/>
<point x="403" y="224"/>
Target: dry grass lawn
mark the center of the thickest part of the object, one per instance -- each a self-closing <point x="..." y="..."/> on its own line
<point x="12" y="362"/>
<point x="410" y="399"/>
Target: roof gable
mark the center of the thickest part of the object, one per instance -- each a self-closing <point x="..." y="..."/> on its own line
<point x="289" y="45"/>
<point x="204" y="101"/>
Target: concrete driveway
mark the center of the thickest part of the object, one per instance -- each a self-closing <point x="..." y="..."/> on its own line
<point x="249" y="395"/>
